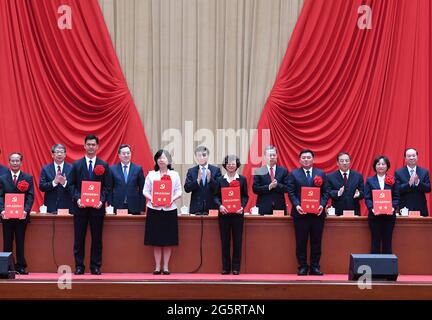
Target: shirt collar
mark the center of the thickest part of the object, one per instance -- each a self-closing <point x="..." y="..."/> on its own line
<point x="347" y="172"/>
<point x="228" y="179"/>
<point x="17" y="174"/>
<point x="409" y="169"/>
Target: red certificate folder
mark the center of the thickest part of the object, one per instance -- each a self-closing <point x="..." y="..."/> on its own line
<point x="14" y="206"/>
<point x="162" y="192"/>
<point x="231" y="199"/>
<point x="90" y="193"/>
<point x="310" y="199"/>
<point x="382" y="201"/>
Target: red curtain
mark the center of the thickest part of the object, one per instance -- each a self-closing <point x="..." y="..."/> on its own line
<point x="58" y="85"/>
<point x="364" y="91"/>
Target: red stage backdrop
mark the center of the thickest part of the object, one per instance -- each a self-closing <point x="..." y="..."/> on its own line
<point x="58" y="85"/>
<point x="343" y="87"/>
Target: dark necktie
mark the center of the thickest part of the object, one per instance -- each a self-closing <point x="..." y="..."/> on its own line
<point x="272" y="175"/>
<point x="90" y="169"/>
<point x="58" y="170"/>
<point x="14" y="179"/>
<point x="308" y="177"/>
<point x="125" y="173"/>
<point x="345" y="178"/>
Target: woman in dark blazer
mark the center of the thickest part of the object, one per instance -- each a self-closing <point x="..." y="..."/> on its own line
<point x="231" y="220"/>
<point x="381" y="225"/>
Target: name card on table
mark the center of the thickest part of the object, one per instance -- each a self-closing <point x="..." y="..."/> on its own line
<point x="348" y="213"/>
<point x="122" y="212"/>
<point x="414" y="213"/>
<point x="62" y="212"/>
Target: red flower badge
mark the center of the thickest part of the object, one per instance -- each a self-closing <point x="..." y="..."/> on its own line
<point x="318" y="181"/>
<point x="166" y="177"/>
<point x="99" y="170"/>
<point x="389" y="180"/>
<point x="23" y="186"/>
<point x="234" y="183"/>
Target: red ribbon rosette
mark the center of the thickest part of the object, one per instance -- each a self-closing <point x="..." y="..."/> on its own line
<point x="389" y="180"/>
<point x="234" y="183"/>
<point x="166" y="177"/>
<point x="318" y="181"/>
<point x="99" y="170"/>
<point x="23" y="186"/>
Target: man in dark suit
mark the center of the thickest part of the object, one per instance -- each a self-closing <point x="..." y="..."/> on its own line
<point x="201" y="181"/>
<point x="89" y="168"/>
<point x="346" y="186"/>
<point x="127" y="183"/>
<point x="16" y="181"/>
<point x="307" y="224"/>
<point x="53" y="181"/>
<point x="414" y="183"/>
<point x="270" y="184"/>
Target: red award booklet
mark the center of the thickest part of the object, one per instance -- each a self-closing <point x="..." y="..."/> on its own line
<point x="310" y="199"/>
<point x="14" y="206"/>
<point x="231" y="199"/>
<point x="162" y="190"/>
<point x="90" y="193"/>
<point x="382" y="201"/>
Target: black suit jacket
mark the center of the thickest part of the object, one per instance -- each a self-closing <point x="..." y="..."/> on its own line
<point x="346" y="201"/>
<point x="3" y="170"/>
<point x="57" y="197"/>
<point x="7" y="186"/>
<point x="274" y="199"/>
<point x="223" y="183"/>
<point x="297" y="180"/>
<point x="202" y="198"/>
<point x="373" y="184"/>
<point x="414" y="197"/>
<point x="133" y="189"/>
<point x="80" y="173"/>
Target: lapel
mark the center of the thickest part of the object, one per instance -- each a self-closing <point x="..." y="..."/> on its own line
<point x="407" y="174"/>
<point x="51" y="171"/>
<point x="303" y="177"/>
<point x="86" y="175"/>
<point x="10" y="181"/>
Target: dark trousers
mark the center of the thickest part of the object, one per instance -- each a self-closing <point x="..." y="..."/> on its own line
<point x="231" y="225"/>
<point x="305" y="226"/>
<point x="381" y="227"/>
<point x="80" y="229"/>
<point x="15" y="229"/>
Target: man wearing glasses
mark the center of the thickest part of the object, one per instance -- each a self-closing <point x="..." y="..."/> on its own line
<point x="53" y="181"/>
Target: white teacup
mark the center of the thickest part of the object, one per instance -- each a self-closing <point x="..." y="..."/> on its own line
<point x="109" y="210"/>
<point x="404" y="212"/>
<point x="43" y="209"/>
<point x="254" y="210"/>
<point x="331" y="211"/>
<point x="184" y="210"/>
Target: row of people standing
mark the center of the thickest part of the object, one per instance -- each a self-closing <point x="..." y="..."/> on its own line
<point x="122" y="182"/>
<point x="346" y="188"/>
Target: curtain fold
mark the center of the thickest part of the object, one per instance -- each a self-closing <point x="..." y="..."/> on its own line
<point x="58" y="85"/>
<point x="342" y="88"/>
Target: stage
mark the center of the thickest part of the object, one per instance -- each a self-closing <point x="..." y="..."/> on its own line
<point x="183" y="286"/>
